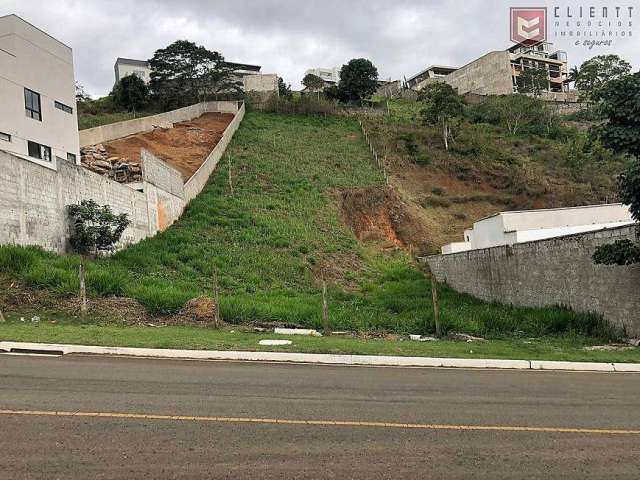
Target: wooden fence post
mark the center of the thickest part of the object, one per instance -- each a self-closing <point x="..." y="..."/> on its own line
<point x="436" y="307"/>
<point x="217" y="320"/>
<point x="325" y="308"/>
<point x="83" y="288"/>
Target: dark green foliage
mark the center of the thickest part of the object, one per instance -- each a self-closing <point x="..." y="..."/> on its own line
<point x="184" y="73"/>
<point x="621" y="252"/>
<point x="358" y="80"/>
<point x="440" y="101"/>
<point x="629" y="188"/>
<point x="131" y="93"/>
<point x="95" y="228"/>
<point x="284" y="89"/>
<point x="598" y="71"/>
<point x="313" y="82"/>
<point x="619" y="102"/>
<point x="533" y="81"/>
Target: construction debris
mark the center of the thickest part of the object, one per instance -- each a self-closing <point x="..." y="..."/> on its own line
<point x="120" y="169"/>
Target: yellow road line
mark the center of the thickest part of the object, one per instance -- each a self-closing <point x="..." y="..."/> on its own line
<point x="323" y="423"/>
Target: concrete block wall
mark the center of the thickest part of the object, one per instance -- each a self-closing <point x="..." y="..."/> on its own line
<point x="488" y="75"/>
<point x="34" y="197"/>
<point x="33" y="202"/>
<point x="558" y="271"/>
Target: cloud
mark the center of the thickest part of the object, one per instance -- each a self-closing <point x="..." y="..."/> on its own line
<point x="289" y="36"/>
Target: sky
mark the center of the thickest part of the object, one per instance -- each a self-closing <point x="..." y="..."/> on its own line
<point x="401" y="37"/>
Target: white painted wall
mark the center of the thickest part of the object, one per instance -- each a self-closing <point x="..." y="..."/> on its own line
<point x="122" y="69"/>
<point x="30" y="58"/>
<point x="327" y="74"/>
<point x="508" y="228"/>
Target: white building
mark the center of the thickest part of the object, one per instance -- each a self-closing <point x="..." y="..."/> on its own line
<point x="508" y="228"/>
<point x="252" y="79"/>
<point x="329" y="75"/>
<point x="37" y="95"/>
<point x="129" y="66"/>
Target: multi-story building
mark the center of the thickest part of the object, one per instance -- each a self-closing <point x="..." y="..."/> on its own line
<point x="129" y="66"/>
<point x="498" y="73"/>
<point x="141" y="68"/>
<point x="434" y="72"/>
<point x="37" y="95"/>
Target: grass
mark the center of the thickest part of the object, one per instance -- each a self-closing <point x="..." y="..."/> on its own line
<point x="87" y="120"/>
<point x="273" y="238"/>
<point x="69" y="331"/>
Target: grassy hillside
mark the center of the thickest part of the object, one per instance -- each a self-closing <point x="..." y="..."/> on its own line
<point x="487" y="169"/>
<point x="307" y="203"/>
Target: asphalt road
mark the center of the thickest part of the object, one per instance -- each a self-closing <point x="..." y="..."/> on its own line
<point x="232" y="421"/>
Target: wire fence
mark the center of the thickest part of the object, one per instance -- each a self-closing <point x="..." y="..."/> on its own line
<point x="379" y="160"/>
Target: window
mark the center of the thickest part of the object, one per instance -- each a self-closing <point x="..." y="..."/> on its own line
<point x="5" y="136"/>
<point x="63" y="107"/>
<point x="41" y="152"/>
<point x="32" y="104"/>
<point x="71" y="157"/>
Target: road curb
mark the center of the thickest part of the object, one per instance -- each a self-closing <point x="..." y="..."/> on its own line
<point x="323" y="359"/>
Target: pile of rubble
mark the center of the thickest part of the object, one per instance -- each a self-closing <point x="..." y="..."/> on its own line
<point x="123" y="170"/>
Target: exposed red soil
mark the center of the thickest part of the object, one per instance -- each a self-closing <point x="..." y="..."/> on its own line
<point x="185" y="146"/>
<point x="378" y="214"/>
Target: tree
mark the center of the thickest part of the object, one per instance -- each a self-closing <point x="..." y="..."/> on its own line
<point x="94" y="229"/>
<point x="284" y="89"/>
<point x="619" y="100"/>
<point x="81" y="93"/>
<point x="597" y="71"/>
<point x="441" y="103"/>
<point x="574" y="74"/>
<point x="184" y="73"/>
<point x="313" y="83"/>
<point x="131" y="93"/>
<point x="533" y="81"/>
<point x="358" y="80"/>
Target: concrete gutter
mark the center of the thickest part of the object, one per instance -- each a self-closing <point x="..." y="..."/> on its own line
<point x="314" y="358"/>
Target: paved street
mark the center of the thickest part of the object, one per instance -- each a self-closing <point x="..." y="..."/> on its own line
<point x="248" y="420"/>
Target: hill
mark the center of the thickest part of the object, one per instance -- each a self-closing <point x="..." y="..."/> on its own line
<point x="307" y="203"/>
<point x="487" y="169"/>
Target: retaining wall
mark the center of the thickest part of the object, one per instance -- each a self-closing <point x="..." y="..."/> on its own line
<point x="199" y="179"/>
<point x="558" y="271"/>
<point x="34" y="197"/>
<point x="105" y="133"/>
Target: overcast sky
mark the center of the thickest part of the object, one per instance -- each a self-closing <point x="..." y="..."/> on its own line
<point x="286" y="37"/>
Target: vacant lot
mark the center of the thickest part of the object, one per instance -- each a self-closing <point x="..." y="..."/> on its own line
<point x="307" y="204"/>
<point x="185" y="146"/>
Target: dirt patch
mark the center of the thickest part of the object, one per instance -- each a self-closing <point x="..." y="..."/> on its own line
<point x="378" y="214"/>
<point x="185" y="146"/>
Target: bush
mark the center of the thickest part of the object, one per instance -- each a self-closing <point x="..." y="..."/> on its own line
<point x="621" y="252"/>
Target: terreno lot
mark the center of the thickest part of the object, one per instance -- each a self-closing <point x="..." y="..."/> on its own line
<point x="125" y="418"/>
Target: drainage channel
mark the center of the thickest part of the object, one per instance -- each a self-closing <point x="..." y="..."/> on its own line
<point x="32" y="352"/>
